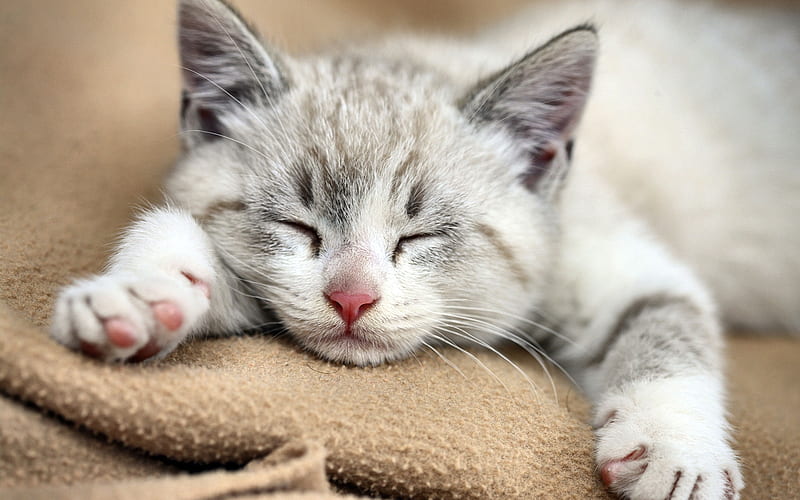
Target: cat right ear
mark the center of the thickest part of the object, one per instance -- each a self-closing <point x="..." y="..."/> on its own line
<point x="226" y="69"/>
<point x="539" y="100"/>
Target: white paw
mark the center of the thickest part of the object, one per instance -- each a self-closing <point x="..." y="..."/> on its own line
<point x="126" y="316"/>
<point x="667" y="440"/>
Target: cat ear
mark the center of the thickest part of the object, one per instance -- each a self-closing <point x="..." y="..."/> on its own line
<point x="226" y="68"/>
<point x="539" y="99"/>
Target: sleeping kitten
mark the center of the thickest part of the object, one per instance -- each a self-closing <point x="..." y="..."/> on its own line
<point x="377" y="199"/>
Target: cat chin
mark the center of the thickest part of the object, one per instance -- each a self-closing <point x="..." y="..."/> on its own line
<point x="356" y="351"/>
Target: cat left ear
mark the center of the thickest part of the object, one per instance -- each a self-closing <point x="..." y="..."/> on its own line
<point x="539" y="99"/>
<point x="226" y="68"/>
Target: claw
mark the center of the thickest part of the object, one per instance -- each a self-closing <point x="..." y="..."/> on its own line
<point x="202" y="285"/>
<point x="610" y="471"/>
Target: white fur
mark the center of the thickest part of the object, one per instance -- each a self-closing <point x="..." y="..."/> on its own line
<point x="693" y="121"/>
<point x="680" y="422"/>
<point x="168" y="240"/>
<point x="147" y="268"/>
<point x="608" y="259"/>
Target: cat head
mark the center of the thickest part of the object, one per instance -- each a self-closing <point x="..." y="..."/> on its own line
<point x="372" y="203"/>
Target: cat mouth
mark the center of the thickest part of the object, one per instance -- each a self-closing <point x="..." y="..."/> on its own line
<point x="354" y="342"/>
<point x="355" y="338"/>
<point x="358" y="347"/>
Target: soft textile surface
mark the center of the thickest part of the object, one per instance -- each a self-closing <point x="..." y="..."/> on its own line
<point x="88" y="99"/>
<point x="412" y="427"/>
<point x="297" y="468"/>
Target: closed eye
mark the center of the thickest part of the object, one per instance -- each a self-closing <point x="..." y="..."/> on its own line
<point x="405" y="241"/>
<point x="305" y="230"/>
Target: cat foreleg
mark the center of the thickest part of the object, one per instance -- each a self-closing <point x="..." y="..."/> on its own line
<point x="163" y="284"/>
<point x="661" y="427"/>
<point x="660" y="419"/>
<point x="646" y="346"/>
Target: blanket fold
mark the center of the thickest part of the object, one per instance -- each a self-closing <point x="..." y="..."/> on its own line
<point x="295" y="470"/>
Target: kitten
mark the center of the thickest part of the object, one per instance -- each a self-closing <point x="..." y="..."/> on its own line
<point x="378" y="199"/>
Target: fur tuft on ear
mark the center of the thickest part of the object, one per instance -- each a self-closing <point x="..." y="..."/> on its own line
<point x="539" y="99"/>
<point x="225" y="67"/>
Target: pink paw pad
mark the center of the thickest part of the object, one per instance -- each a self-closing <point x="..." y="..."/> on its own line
<point x="119" y="332"/>
<point x="610" y="471"/>
<point x="168" y="314"/>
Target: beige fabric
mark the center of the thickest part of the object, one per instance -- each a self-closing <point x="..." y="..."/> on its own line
<point x="37" y="449"/>
<point x="88" y="99"/>
<point x="297" y="468"/>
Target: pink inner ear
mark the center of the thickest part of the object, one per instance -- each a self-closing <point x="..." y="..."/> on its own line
<point x="540" y="160"/>
<point x="544" y="156"/>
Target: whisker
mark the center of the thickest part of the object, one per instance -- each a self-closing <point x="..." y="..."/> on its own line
<point x="246" y="60"/>
<point x="223" y="136"/>
<point x="519" y="339"/>
<point x="530" y="349"/>
<point x="267" y="323"/>
<point x="466" y="335"/>
<point x="241" y="54"/>
<point x="252" y="296"/>
<point x="519" y="318"/>
<point x="237" y="101"/>
<point x="474" y="358"/>
<point x="443" y="358"/>
<point x="416" y="358"/>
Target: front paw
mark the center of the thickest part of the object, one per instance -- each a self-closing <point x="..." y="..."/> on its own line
<point x="124" y="316"/>
<point x="667" y="439"/>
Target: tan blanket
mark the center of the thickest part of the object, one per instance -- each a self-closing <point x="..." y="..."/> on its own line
<point x="88" y="100"/>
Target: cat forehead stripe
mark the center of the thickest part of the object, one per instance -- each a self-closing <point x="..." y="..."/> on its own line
<point x="305" y="186"/>
<point x="402" y="171"/>
<point x="415" y="198"/>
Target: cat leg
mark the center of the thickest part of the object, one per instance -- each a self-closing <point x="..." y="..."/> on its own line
<point x="646" y="346"/>
<point x="659" y="414"/>
<point x="163" y="284"/>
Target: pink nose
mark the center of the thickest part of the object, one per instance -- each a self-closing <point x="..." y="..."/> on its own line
<point x="351" y="305"/>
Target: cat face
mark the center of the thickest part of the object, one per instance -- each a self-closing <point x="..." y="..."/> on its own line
<point x="364" y="200"/>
